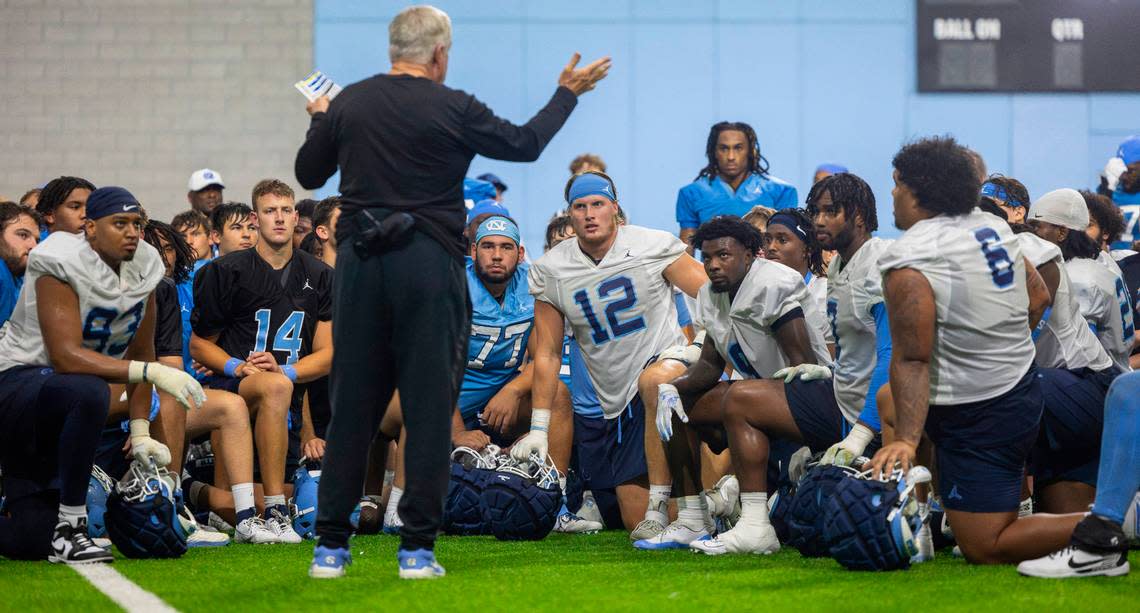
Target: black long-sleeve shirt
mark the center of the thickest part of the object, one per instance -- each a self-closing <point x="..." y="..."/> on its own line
<point x="405" y="143"/>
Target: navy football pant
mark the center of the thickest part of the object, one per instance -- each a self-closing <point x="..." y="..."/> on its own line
<point x="401" y="320"/>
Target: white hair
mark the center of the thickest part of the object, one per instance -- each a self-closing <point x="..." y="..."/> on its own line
<point x="414" y="34"/>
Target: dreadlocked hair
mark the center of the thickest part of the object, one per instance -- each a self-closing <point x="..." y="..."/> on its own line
<point x="183" y="255"/>
<point x="1106" y="214"/>
<point x="55" y="193"/>
<point x="1077" y="244"/>
<point x="812" y="244"/>
<point x="850" y="193"/>
<point x="756" y="162"/>
<point x="728" y="226"/>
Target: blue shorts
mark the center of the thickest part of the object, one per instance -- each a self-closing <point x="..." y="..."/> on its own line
<point x="816" y="413"/>
<point x="982" y="447"/>
<point x="1068" y="446"/>
<point x="611" y="452"/>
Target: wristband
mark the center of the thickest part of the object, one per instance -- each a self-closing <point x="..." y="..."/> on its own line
<point x="231" y="366"/>
<point x="136" y="372"/>
<point x="290" y="372"/>
<point x="860" y="435"/>
<point x="539" y="419"/>
<point x="140" y="428"/>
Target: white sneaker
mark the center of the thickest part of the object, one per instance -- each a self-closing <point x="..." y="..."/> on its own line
<point x="72" y="546"/>
<point x="217" y="523"/>
<point x="647" y="529"/>
<point x="282" y="527"/>
<point x="570" y="523"/>
<point x="676" y="535"/>
<point x="1073" y="562"/>
<point x="589" y="510"/>
<point x="924" y="539"/>
<point x="254" y="530"/>
<point x="760" y="540"/>
<point x="197" y="536"/>
<point x="724" y="498"/>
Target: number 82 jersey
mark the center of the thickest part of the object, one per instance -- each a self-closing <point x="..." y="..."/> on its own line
<point x="621" y="309"/>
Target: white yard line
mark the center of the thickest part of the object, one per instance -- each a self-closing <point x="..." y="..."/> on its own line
<point x="121" y="590"/>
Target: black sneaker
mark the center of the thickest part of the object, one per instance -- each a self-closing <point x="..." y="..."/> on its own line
<point x="73" y="546"/>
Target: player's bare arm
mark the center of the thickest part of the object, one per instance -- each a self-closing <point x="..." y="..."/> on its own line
<point x="1039" y="296"/>
<point x="546" y="348"/>
<point x="795" y="342"/>
<point x="462" y="437"/>
<point x="205" y="351"/>
<point x="502" y="410"/>
<point x="687" y="274"/>
<point x="704" y="374"/>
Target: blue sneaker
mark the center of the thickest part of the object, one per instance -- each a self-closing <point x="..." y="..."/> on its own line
<point x="329" y="563"/>
<point x="419" y="564"/>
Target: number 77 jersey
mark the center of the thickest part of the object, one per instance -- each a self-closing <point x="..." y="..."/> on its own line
<point x="620" y="309"/>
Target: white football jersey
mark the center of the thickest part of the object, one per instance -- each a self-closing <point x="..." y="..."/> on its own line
<point x="982" y="345"/>
<point x="817" y="315"/>
<point x="852" y="291"/>
<point x="621" y="309"/>
<point x="1066" y="341"/>
<point x="111" y="306"/>
<point x="742" y="329"/>
<point x="1103" y="302"/>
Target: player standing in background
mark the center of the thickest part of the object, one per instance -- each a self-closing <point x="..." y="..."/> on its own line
<point x="262" y="324"/>
<point x="613" y="284"/>
<point x="62" y="204"/>
<point x="205" y="190"/>
<point x="84" y="319"/>
<point x="753" y="310"/>
<point x="735" y="179"/>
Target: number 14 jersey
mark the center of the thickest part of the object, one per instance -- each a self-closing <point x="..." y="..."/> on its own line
<point x="620" y="309"/>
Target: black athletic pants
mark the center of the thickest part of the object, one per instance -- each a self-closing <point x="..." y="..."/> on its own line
<point x="401" y="320"/>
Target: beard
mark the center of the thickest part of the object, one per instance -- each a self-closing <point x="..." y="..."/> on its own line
<point x="15" y="263"/>
<point x="488" y="277"/>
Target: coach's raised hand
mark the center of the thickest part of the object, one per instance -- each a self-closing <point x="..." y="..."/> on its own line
<point x="582" y="80"/>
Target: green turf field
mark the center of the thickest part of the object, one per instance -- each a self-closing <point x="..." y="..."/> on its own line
<point x="561" y="573"/>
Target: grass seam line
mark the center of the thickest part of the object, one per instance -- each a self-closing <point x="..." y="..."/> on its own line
<point x="121" y="590"/>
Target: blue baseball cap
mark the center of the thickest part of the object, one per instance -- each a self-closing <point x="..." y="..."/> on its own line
<point x="476" y="190"/>
<point x="590" y="184"/>
<point x="832" y="168"/>
<point x="487" y="207"/>
<point x="493" y="179"/>
<point x="497" y="226"/>
<point x="111" y="200"/>
<point x="1129" y="150"/>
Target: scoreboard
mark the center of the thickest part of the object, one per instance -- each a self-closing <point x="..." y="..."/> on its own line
<point x="1028" y="45"/>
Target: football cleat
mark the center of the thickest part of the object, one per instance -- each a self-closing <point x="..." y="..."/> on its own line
<point x="570" y="523"/>
<point x="329" y="563"/>
<point x="198" y="536"/>
<point x="924" y="540"/>
<point x="1073" y="562"/>
<point x="724" y="499"/>
<point x="419" y="564"/>
<point x="254" y="530"/>
<point x="282" y="527"/>
<point x="216" y="522"/>
<point x="589" y="510"/>
<point x="72" y="546"/>
<point x="675" y="536"/>
<point x="647" y="529"/>
<point x="759" y="540"/>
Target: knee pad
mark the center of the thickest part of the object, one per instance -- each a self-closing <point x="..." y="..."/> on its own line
<point x="462" y="509"/>
<point x="516" y="508"/>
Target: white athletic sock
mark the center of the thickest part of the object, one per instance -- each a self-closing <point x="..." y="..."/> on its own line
<point x="394" y="501"/>
<point x="658" y="508"/>
<point x="71" y="514"/>
<point x="243" y="498"/>
<point x="691" y="511"/>
<point x="754" y="509"/>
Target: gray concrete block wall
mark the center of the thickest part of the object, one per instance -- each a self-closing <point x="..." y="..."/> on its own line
<point x="141" y="93"/>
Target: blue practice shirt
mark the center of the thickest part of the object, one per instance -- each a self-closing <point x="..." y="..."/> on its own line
<point x="1129" y="205"/>
<point x="186" y="306"/>
<point x="9" y="292"/>
<point x="499" y="335"/>
<point x="706" y="198"/>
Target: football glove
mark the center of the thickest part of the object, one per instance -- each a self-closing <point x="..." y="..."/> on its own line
<point x="806" y="372"/>
<point x="144" y="448"/>
<point x="668" y="403"/>
<point x="852" y="446"/>
<point x="185" y="389"/>
<point x="534" y="441"/>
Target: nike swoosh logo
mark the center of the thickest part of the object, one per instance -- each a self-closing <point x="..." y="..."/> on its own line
<point x="1073" y="564"/>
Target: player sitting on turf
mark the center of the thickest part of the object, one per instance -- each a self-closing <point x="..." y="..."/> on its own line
<point x="961" y="311"/>
<point x="262" y="323"/>
<point x="85" y="317"/>
<point x="754" y="315"/>
<point x="613" y="284"/>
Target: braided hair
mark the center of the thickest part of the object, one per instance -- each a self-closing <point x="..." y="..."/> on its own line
<point x="55" y="193"/>
<point x="183" y="255"/>
<point x="756" y="162"/>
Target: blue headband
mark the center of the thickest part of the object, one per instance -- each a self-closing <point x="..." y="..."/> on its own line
<point x="994" y="190"/>
<point x="790" y="222"/>
<point x="497" y="226"/>
<point x="590" y="184"/>
<point x="111" y="200"/>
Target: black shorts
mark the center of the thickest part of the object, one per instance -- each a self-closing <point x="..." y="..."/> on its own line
<point x="982" y="447"/>
<point x="1068" y="445"/>
<point x="611" y="452"/>
<point x="816" y="413"/>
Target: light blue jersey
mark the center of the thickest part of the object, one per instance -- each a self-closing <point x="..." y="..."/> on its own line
<point x="706" y="198"/>
<point x="499" y="334"/>
<point x="186" y="307"/>
<point x="1129" y="205"/>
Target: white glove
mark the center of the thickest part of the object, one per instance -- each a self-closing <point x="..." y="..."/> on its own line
<point x="144" y="448"/>
<point x="185" y="389"/>
<point x="535" y="441"/>
<point x="1112" y="171"/>
<point x="852" y="446"/>
<point x="806" y="372"/>
<point x="668" y="403"/>
<point x="688" y="354"/>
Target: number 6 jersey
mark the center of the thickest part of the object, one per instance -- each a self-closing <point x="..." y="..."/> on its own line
<point x="982" y="345"/>
<point x="111" y="306"/>
<point x="621" y="309"/>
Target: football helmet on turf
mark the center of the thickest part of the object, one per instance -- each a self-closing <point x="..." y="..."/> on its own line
<point x="305" y="483"/>
<point x="870" y="524"/>
<point x="98" y="489"/>
<point x="805" y="514"/>
<point x="142" y="515"/>
<point x="521" y="500"/>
